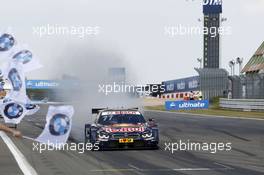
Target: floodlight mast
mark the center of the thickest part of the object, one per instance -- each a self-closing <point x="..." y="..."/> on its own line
<point x="200" y="60"/>
<point x="239" y="61"/>
<point x="232" y="67"/>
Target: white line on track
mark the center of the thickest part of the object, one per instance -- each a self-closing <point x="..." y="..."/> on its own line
<point x="193" y="169"/>
<point x="22" y="162"/>
<point x="133" y="166"/>
<point x="136" y="169"/>
<point x="205" y="115"/>
<point x="157" y="170"/>
<point x="226" y="167"/>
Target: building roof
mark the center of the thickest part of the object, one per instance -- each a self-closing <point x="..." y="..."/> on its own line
<point x="256" y="63"/>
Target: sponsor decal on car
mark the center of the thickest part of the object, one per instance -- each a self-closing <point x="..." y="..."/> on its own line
<point x="120" y="112"/>
<point x="113" y="130"/>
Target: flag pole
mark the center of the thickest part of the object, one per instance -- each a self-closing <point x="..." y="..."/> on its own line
<point x="29" y="138"/>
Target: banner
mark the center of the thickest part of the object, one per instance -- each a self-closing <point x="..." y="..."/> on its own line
<point x="15" y="105"/>
<point x="26" y="57"/>
<point x="58" y="126"/>
<point x="7" y="42"/>
<point x="14" y="73"/>
<point x="212" y="6"/>
<point x="31" y="108"/>
<point x="43" y="84"/>
<point x="186" y="105"/>
<point x="13" y="112"/>
<point x="9" y="50"/>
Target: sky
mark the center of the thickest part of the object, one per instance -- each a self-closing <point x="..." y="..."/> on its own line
<point x="133" y="31"/>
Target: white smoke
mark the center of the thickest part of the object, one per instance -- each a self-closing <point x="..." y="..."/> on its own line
<point x="89" y="66"/>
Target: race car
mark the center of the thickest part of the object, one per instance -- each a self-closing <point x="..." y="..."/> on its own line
<point x="122" y="128"/>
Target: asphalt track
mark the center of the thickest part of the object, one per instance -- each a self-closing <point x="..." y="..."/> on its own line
<point x="246" y="156"/>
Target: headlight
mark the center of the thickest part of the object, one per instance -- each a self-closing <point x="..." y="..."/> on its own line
<point x="147" y="134"/>
<point x="103" y="135"/>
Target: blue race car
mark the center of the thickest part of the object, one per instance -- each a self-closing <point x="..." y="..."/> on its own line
<point x="122" y="128"/>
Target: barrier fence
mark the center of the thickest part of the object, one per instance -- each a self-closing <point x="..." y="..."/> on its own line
<point x="242" y="104"/>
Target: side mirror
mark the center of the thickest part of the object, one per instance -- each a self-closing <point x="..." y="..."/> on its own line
<point x="152" y="122"/>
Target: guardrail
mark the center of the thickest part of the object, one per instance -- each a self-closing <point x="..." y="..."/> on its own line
<point x="49" y="103"/>
<point x="242" y="104"/>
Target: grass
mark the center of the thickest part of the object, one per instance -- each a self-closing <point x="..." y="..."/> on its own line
<point x="214" y="110"/>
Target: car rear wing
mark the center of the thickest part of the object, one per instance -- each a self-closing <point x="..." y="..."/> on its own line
<point x="97" y="110"/>
<point x="133" y="108"/>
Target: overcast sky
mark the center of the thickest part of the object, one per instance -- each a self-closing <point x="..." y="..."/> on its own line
<point x="134" y="30"/>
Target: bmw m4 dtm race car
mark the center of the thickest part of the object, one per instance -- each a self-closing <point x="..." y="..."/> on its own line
<point x="122" y="128"/>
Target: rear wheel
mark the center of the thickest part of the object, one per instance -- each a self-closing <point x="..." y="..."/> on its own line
<point x="86" y="140"/>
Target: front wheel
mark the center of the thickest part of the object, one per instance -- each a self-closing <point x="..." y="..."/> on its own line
<point x="86" y="140"/>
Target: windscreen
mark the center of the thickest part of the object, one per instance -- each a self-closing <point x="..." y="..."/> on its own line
<point x="121" y="117"/>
